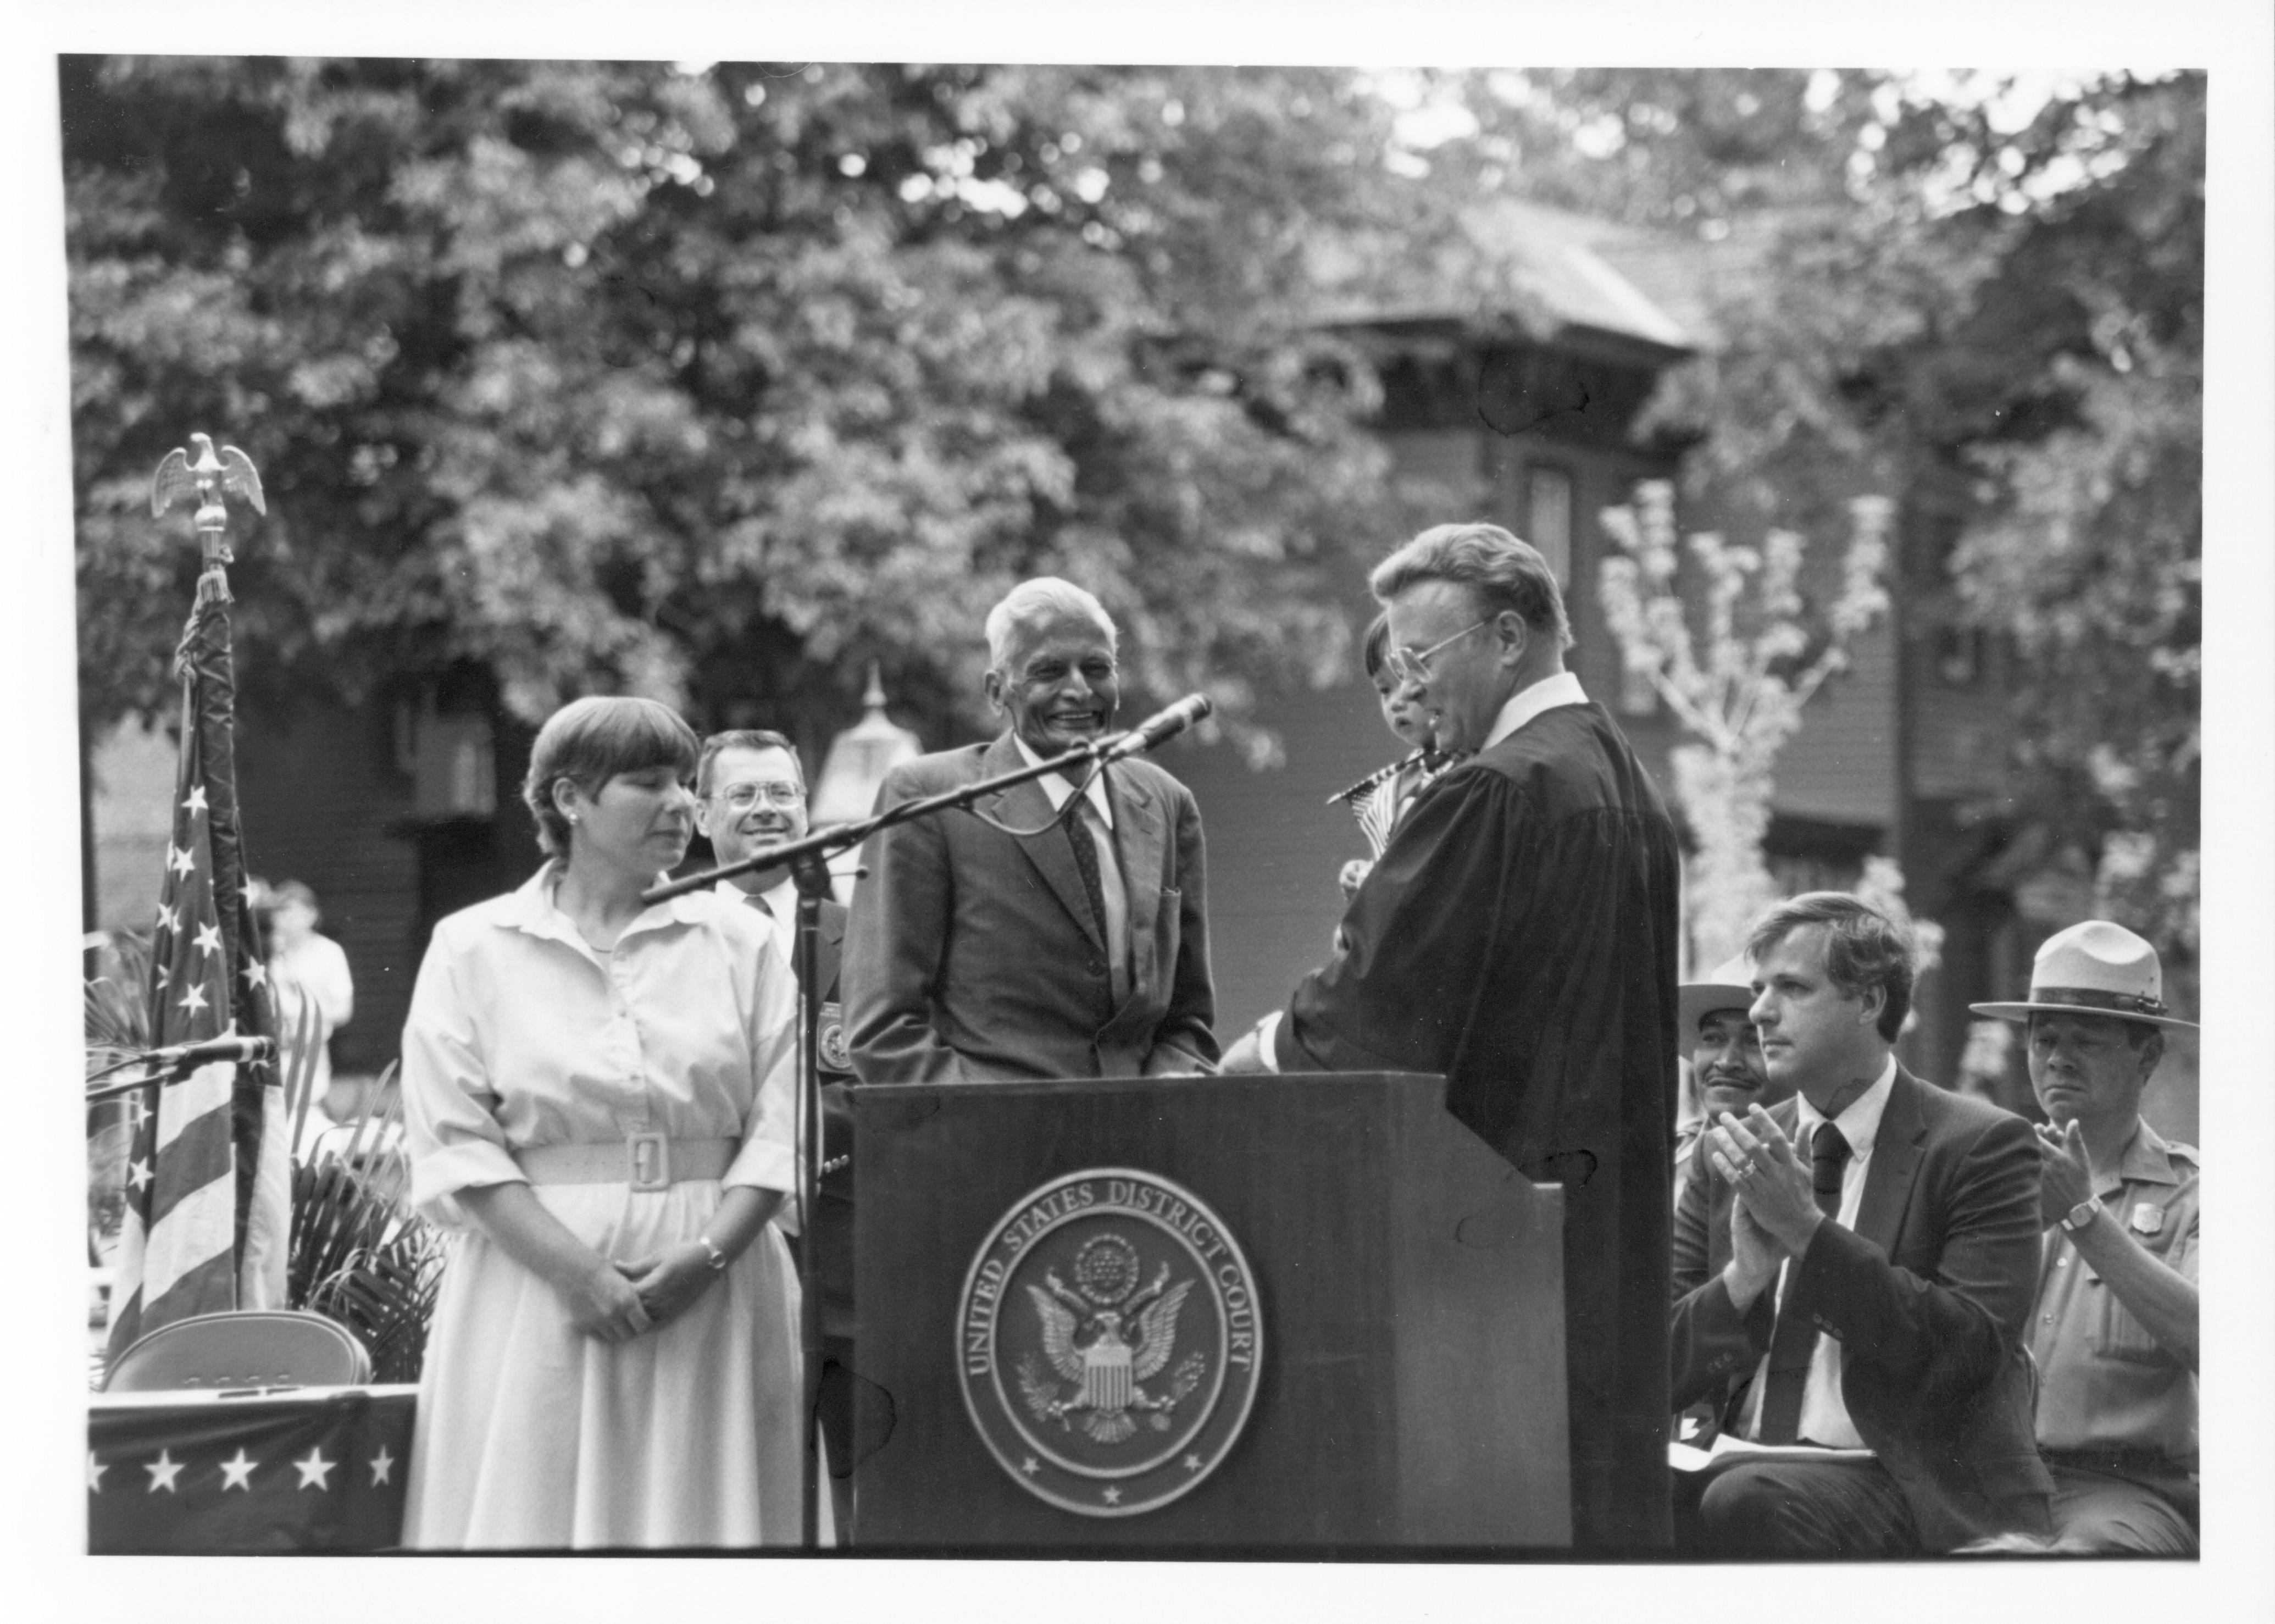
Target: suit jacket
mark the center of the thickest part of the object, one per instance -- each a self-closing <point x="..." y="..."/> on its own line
<point x="1930" y="1295"/>
<point x="974" y="954"/>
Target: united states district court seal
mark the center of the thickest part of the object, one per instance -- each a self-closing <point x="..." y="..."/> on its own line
<point x="1108" y="1342"/>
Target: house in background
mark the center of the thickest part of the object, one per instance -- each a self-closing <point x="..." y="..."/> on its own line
<point x="1513" y="381"/>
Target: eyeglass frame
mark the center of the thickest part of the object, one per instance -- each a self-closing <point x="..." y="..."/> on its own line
<point x="1409" y="667"/>
<point x="769" y="790"/>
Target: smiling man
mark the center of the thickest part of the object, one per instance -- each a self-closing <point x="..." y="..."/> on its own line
<point x="1883" y="1243"/>
<point x="1518" y="936"/>
<point x="1725" y="1061"/>
<point x="1027" y="937"/>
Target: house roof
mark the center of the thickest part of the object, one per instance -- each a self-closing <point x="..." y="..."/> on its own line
<point x="1554" y="274"/>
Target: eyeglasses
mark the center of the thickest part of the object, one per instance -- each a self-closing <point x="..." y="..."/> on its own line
<point x="1409" y="667"/>
<point x="741" y="797"/>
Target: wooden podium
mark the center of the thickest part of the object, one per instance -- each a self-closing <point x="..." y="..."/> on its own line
<point x="1324" y="1311"/>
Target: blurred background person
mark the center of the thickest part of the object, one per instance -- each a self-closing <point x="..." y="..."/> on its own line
<point x="599" y="1095"/>
<point x="307" y="971"/>
<point x="1379" y="799"/>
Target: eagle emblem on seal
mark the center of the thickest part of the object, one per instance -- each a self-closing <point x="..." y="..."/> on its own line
<point x="1109" y="1339"/>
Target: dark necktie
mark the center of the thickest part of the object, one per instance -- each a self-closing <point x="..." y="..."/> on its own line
<point x="1085" y="858"/>
<point x="1794" y="1342"/>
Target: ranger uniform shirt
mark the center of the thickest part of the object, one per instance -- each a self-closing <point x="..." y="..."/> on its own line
<point x="2104" y="1382"/>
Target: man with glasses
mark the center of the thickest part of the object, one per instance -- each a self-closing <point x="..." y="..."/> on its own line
<point x="1055" y="930"/>
<point x="749" y="793"/>
<point x="1519" y="935"/>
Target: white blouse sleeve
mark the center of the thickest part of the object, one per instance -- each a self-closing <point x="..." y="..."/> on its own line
<point x="768" y="1160"/>
<point x="448" y="1103"/>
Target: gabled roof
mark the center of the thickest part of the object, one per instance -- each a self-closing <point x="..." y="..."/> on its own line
<point x="1558" y="276"/>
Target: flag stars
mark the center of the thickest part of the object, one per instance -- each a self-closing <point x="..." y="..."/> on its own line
<point x="1192" y="1463"/>
<point x="1113" y="1496"/>
<point x="181" y="862"/>
<point x="94" y="1470"/>
<point x="197" y="801"/>
<point x="162" y="1472"/>
<point x="238" y="1473"/>
<point x="194" y="1000"/>
<point x="208" y="939"/>
<point x="167" y="919"/>
<point x="380" y="1465"/>
<point x="316" y="1472"/>
<point x="138" y="1176"/>
<point x="1031" y="1466"/>
<point x="256" y="973"/>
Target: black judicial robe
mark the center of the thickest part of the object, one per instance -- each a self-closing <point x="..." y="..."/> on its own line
<point x="1519" y="935"/>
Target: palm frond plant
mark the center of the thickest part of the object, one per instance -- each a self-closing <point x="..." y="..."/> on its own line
<point x="359" y="1253"/>
<point x="117" y="1029"/>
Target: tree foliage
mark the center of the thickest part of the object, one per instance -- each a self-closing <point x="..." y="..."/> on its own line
<point x="715" y="383"/>
<point x="1986" y="298"/>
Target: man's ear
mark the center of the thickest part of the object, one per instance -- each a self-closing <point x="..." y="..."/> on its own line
<point x="1515" y="636"/>
<point x="1875" y="999"/>
<point x="990" y="684"/>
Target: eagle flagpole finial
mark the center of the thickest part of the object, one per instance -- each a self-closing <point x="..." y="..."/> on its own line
<point x="213" y="474"/>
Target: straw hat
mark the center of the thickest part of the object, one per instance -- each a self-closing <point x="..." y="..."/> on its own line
<point x="1726" y="988"/>
<point x="2095" y="968"/>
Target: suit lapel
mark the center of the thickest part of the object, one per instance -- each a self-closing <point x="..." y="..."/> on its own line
<point x="1025" y="807"/>
<point x="1140" y="833"/>
<point x="829" y="946"/>
<point x="1896" y="1151"/>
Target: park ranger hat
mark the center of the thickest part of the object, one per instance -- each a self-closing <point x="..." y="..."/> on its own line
<point x="1724" y="988"/>
<point x="2095" y="968"/>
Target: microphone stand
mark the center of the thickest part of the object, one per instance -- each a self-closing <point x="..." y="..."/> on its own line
<point x="808" y="862"/>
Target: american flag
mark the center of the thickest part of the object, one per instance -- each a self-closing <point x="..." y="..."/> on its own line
<point x="209" y="1189"/>
<point x="1373" y="800"/>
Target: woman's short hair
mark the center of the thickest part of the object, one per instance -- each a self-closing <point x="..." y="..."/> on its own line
<point x="591" y="740"/>
<point x="1039" y="602"/>
<point x="1376" y="647"/>
<point x="1502" y="571"/>
<point x="1863" y="948"/>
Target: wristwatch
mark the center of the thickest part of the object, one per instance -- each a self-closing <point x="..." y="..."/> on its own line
<point x="717" y="1259"/>
<point x="2079" y="1215"/>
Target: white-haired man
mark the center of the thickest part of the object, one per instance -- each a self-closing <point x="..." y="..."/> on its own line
<point x="1518" y="936"/>
<point x="2114" y="1327"/>
<point x="1009" y="940"/>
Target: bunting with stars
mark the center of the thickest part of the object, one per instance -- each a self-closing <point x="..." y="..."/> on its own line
<point x="208" y="1203"/>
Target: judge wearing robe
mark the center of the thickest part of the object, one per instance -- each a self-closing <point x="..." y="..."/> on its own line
<point x="1519" y="935"/>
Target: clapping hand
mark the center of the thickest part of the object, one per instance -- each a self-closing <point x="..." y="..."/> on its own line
<point x="2065" y="1177"/>
<point x="1773" y="1185"/>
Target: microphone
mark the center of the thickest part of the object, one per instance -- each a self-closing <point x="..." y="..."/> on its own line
<point x="1163" y="724"/>
<point x="188" y="1056"/>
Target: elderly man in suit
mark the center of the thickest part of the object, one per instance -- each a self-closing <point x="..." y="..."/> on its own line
<point x="1041" y="932"/>
<point x="1879" y="1280"/>
<point x="750" y="790"/>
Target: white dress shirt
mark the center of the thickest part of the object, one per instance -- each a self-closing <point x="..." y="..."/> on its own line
<point x="1823" y="1413"/>
<point x="1097" y="820"/>
<point x="1520" y="708"/>
<point x="780" y="912"/>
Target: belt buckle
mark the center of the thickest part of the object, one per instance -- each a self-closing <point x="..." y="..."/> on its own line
<point x="647" y="1160"/>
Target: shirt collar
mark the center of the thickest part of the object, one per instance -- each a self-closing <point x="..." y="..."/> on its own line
<point x="1562" y="688"/>
<point x="535" y="907"/>
<point x="1057" y="788"/>
<point x="2147" y="1159"/>
<point x="1859" y="1121"/>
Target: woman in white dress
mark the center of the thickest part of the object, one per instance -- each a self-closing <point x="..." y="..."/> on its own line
<point x="598" y="1097"/>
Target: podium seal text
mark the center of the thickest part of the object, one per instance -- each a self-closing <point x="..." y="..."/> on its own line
<point x="1108" y="1339"/>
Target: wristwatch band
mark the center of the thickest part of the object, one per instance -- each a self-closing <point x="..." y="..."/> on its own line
<point x="717" y="1259"/>
<point x="2081" y="1215"/>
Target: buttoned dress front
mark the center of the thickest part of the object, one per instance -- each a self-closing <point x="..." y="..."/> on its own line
<point x="520" y="1035"/>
